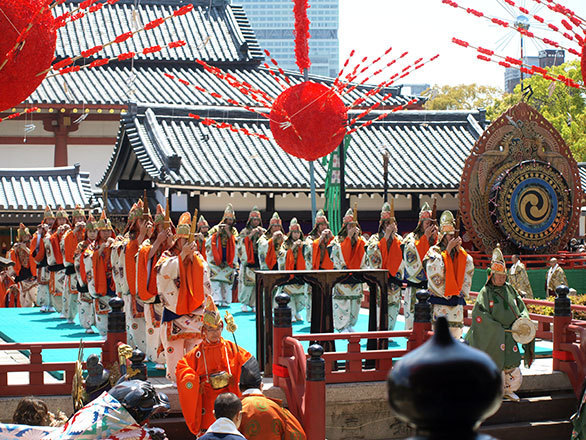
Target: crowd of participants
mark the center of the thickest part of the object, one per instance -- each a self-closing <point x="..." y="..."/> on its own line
<point x="169" y="275"/>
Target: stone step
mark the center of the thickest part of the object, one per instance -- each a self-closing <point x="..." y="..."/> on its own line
<point x="547" y="430"/>
<point x="535" y="409"/>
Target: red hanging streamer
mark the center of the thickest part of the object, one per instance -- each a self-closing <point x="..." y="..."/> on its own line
<point x="301" y="34"/>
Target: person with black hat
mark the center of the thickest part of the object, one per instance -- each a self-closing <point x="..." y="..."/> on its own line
<point x="262" y="417"/>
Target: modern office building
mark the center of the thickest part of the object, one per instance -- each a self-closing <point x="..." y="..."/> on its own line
<point x="273" y="23"/>
<point x="546" y="58"/>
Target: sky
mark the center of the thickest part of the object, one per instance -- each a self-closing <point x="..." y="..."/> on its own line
<point x="426" y="27"/>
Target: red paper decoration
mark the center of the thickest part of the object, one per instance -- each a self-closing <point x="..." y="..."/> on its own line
<point x="583" y="63"/>
<point x="20" y="75"/>
<point x="308" y="120"/>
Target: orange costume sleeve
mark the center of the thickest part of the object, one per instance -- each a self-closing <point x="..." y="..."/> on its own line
<point x="352" y="255"/>
<point x="294" y="264"/>
<point x="266" y="419"/>
<point x="55" y="237"/>
<point x="196" y="395"/>
<point x="455" y="272"/>
<point x="191" y="293"/>
<point x="327" y="263"/>
<point x="130" y="263"/>
<point x="41" y="253"/>
<point x="100" y="270"/>
<point x="391" y="257"/>
<point x="422" y="246"/>
<point x="218" y="253"/>
<point x="13" y="257"/>
<point x="146" y="280"/>
<point x="70" y="241"/>
<point x="271" y="258"/>
<point x="201" y="248"/>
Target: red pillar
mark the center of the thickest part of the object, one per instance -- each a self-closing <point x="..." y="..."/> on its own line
<point x="281" y="329"/>
<point x="61" y="125"/>
<point x="314" y="411"/>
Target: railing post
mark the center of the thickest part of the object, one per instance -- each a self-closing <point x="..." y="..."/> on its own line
<point x="314" y="414"/>
<point x="281" y="329"/>
<point x="116" y="332"/>
<point x="137" y="369"/>
<point x="421" y="320"/>
<point x="562" y="317"/>
<point x="36" y="377"/>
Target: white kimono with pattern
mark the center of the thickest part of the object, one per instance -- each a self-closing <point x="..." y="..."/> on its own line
<point x="414" y="271"/>
<point x="435" y="267"/>
<point x="85" y="308"/>
<point x="56" y="279"/>
<point x="346" y="298"/>
<point x="394" y="292"/>
<point x="221" y="277"/>
<point x="183" y="333"/>
<point x="246" y="275"/>
<point x="297" y="292"/>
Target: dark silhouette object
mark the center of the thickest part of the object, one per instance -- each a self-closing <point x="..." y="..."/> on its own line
<point x="445" y="388"/>
<point x="98" y="379"/>
<point x="140" y="399"/>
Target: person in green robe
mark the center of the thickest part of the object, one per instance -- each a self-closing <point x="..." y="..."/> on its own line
<point x="497" y="307"/>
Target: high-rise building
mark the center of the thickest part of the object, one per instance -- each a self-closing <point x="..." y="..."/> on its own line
<point x="273" y="23"/>
<point x="546" y="58"/>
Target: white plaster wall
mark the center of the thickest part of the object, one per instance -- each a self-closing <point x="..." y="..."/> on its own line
<point x="218" y="202"/>
<point x="95" y="128"/>
<point x="16" y="128"/>
<point x="92" y="158"/>
<point x="26" y="156"/>
<point x="375" y="202"/>
<point x="289" y="202"/>
<point x="443" y="203"/>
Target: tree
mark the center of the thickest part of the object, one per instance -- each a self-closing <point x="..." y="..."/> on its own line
<point x="563" y="106"/>
<point x="461" y="97"/>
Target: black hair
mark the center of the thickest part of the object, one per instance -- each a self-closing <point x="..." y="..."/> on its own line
<point x="227" y="405"/>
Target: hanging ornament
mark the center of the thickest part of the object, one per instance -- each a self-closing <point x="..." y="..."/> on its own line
<point x="583" y="63"/>
<point x="27" y="48"/>
<point x="308" y="120"/>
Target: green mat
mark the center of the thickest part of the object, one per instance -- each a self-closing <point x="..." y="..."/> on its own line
<point x="30" y="325"/>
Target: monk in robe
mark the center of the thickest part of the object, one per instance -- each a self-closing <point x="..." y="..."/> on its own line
<point x="384" y="251"/>
<point x="39" y="256"/>
<point x="415" y="247"/>
<point x="348" y="252"/>
<point x="262" y="417"/>
<point x="317" y="251"/>
<point x="519" y="279"/>
<point x="85" y="278"/>
<point x="103" y="284"/>
<point x="269" y="244"/>
<point x="201" y="235"/>
<point x="55" y="259"/>
<point x="291" y="257"/>
<point x="69" y="245"/>
<point x="247" y="249"/>
<point x="449" y="273"/>
<point x="183" y="284"/>
<point x="497" y="307"/>
<point x="24" y="268"/>
<point x="212" y="368"/>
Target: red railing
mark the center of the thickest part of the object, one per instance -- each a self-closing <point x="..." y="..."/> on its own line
<point x="567" y="260"/>
<point x="37" y="369"/>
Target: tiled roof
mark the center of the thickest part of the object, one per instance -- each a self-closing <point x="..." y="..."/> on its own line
<point x="120" y="202"/>
<point x="34" y="188"/>
<point x="218" y="34"/>
<point x="427" y="149"/>
<point x="108" y="86"/>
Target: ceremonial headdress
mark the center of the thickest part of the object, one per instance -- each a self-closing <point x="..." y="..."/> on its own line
<point x="91" y="224"/>
<point x="211" y="314"/>
<point x="497" y="263"/>
<point x="184" y="226"/>
<point x="78" y="211"/>
<point x="202" y="221"/>
<point x="294" y="226"/>
<point x="250" y="376"/>
<point x="23" y="234"/>
<point x="48" y="213"/>
<point x="254" y="213"/>
<point x="320" y="218"/>
<point x="61" y="213"/>
<point x="104" y="223"/>
<point x="275" y="221"/>
<point x="425" y="213"/>
<point x="447" y="225"/>
<point x="228" y="213"/>
<point x="159" y="215"/>
<point x="351" y="216"/>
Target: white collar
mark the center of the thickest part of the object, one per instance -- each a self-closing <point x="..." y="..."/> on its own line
<point x="224" y="426"/>
<point x="251" y="391"/>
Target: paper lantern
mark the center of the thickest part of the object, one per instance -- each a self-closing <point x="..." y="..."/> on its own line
<point x="21" y="73"/>
<point x="308" y="120"/>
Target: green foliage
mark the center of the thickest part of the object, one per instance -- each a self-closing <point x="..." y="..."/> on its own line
<point x="461" y="97"/>
<point x="548" y="310"/>
<point x="563" y="106"/>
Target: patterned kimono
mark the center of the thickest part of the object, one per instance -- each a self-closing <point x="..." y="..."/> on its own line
<point x="414" y="250"/>
<point x="520" y="280"/>
<point x="449" y="283"/>
<point x="84" y="273"/>
<point x="380" y="256"/>
<point x="247" y="251"/>
<point x="102" y="289"/>
<point x="555" y="277"/>
<point x="347" y="297"/>
<point x="222" y="265"/>
<point x="315" y="260"/>
<point x="289" y="260"/>
<point x="25" y="282"/>
<point x="38" y="254"/>
<point x="68" y="248"/>
<point x="180" y="332"/>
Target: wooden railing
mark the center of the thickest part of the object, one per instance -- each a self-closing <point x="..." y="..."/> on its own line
<point x="37" y="369"/>
<point x="567" y="260"/>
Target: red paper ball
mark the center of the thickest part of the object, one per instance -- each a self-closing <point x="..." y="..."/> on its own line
<point x="583" y="63"/>
<point x="308" y="120"/>
<point x="19" y="76"/>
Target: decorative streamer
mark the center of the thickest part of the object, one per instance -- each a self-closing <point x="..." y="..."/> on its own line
<point x="301" y="34"/>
